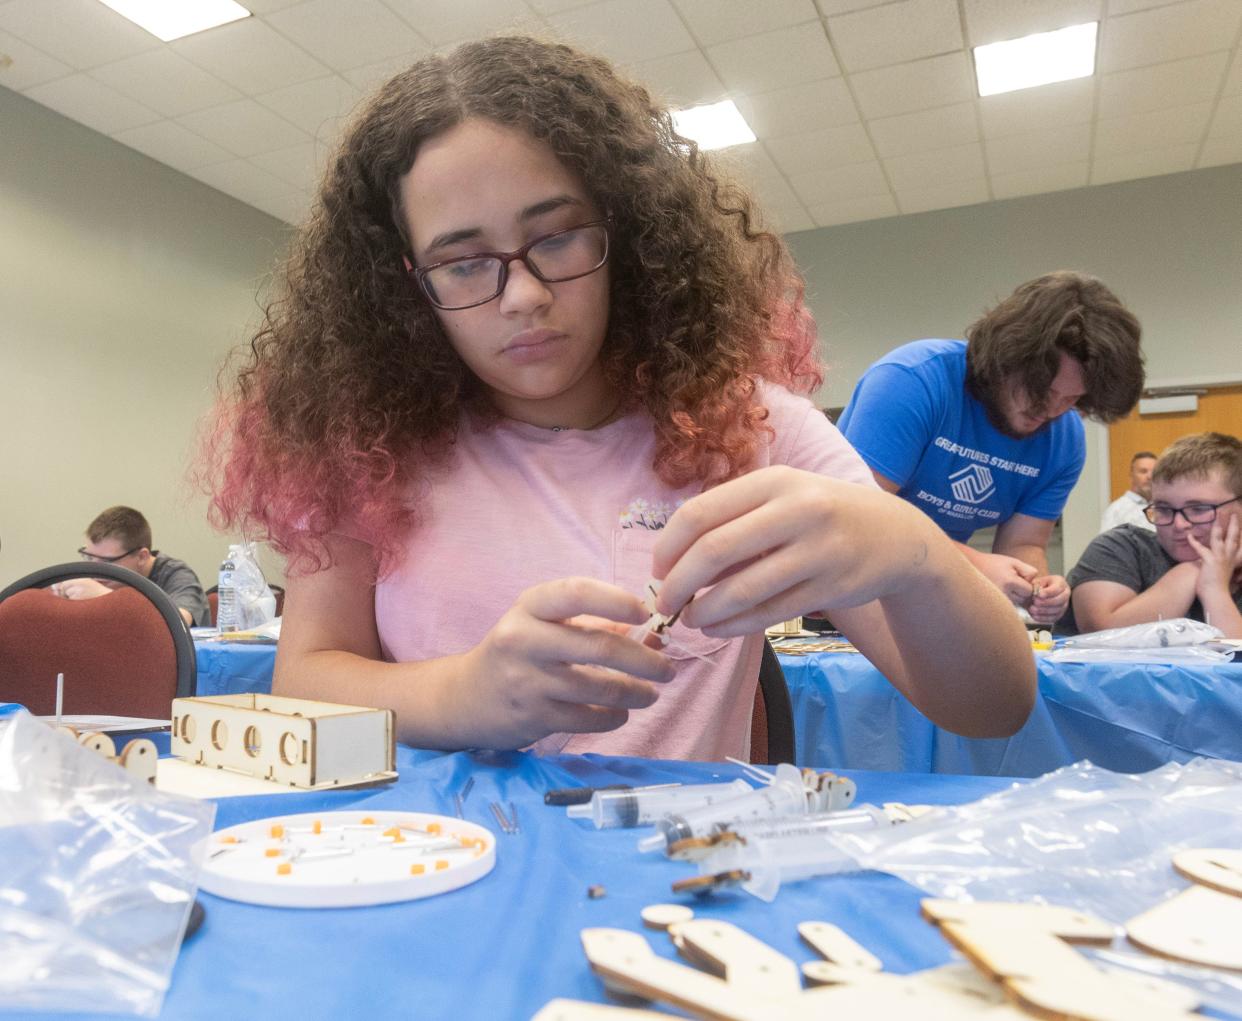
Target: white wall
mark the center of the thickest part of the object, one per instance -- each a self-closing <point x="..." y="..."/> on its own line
<point x="1170" y="247"/>
<point x="122" y="285"/>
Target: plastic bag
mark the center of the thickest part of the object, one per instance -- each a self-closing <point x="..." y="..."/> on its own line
<point x="98" y="872"/>
<point x="1162" y="641"/>
<point x="256" y="604"/>
<point x="1080" y="837"/>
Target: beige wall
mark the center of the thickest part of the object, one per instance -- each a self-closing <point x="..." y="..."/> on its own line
<point x="122" y="285"/>
<point x="1169" y="246"/>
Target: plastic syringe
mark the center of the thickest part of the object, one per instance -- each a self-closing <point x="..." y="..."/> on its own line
<point x="762" y="857"/>
<point x="613" y="809"/>
<point x="791" y="792"/>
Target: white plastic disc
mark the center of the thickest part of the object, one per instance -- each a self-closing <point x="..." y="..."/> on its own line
<point x="661" y="916"/>
<point x="345" y="859"/>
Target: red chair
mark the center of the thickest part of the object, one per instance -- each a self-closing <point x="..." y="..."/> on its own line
<point x="124" y="654"/>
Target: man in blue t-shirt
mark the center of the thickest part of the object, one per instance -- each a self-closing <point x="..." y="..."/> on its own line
<point x="984" y="432"/>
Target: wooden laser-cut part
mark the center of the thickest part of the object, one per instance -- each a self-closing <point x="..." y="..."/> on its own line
<point x="736" y="956"/>
<point x="138" y="758"/>
<point x="1217" y="867"/>
<point x="1025" y="948"/>
<point x="299" y="742"/>
<point x="1200" y="925"/>
<point x="837" y="948"/>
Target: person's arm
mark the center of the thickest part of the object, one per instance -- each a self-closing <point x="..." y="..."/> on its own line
<point x="1101" y="604"/>
<point x="543" y="668"/>
<point x="1025" y="538"/>
<point x="1219" y="562"/>
<point x="780" y="542"/>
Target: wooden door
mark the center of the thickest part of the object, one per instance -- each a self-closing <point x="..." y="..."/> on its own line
<point x="1219" y="411"/>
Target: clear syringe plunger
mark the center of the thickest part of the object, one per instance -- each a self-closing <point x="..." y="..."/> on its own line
<point x="615" y="809"/>
<point x="790" y="793"/>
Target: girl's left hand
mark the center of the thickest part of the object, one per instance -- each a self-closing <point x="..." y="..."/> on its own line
<point x="780" y="542"/>
<point x="1220" y="558"/>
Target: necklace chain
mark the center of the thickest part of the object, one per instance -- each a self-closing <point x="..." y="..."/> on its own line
<point x="612" y="411"/>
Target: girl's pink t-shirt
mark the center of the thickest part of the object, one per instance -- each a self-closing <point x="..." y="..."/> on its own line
<point x="514" y="505"/>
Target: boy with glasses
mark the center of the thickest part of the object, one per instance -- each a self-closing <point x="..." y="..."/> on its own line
<point x="122" y="536"/>
<point x="1191" y="566"/>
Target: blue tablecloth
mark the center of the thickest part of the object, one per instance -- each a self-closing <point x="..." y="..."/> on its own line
<point x="1123" y="716"/>
<point x="504" y="946"/>
<point x="232" y="668"/>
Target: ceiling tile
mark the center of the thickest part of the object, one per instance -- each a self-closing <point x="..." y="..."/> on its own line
<point x="299" y="165"/>
<point x="895" y="33"/>
<point x="1220" y="151"/>
<point x="774" y="60"/>
<point x="371" y="76"/>
<point x="1069" y="143"/>
<point x="1151" y="163"/>
<point x="808" y="107"/>
<point x="440" y="22"/>
<point x="1177" y="83"/>
<point x="267" y="6"/>
<point x="718" y="21"/>
<point x="81" y="33"/>
<point x="992" y="21"/>
<point x="870" y="207"/>
<point x="174" y="145"/>
<point x="788" y="221"/>
<point x="774" y="193"/>
<point x="836" y="184"/>
<point x="942" y="168"/>
<point x="250" y="56"/>
<point x="830" y="7"/>
<point x="166" y="82"/>
<point x="681" y="79"/>
<point x="748" y="165"/>
<point x="1158" y="129"/>
<point x="1116" y="7"/>
<point x="628" y="31"/>
<point x="1228" y="117"/>
<point x="943" y="196"/>
<point x="310" y="104"/>
<point x="28" y="66"/>
<point x="557" y="6"/>
<point x="1167" y="33"/>
<point x="347" y="33"/>
<point x="1042" y="108"/>
<point x="829" y="147"/>
<point x="920" y="85"/>
<point x="1040" y="180"/>
<point x="241" y="179"/>
<point x="92" y="103"/>
<point x="926" y="129"/>
<point x="244" y="128"/>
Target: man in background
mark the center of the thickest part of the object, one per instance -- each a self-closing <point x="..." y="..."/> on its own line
<point x="1190" y="566"/>
<point x="984" y="432"/>
<point x="1128" y="508"/>
<point x="122" y="536"/>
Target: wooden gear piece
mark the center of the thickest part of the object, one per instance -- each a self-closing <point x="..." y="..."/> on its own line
<point x="1026" y="948"/>
<point x="1200" y="925"/>
<point x="300" y="742"/>
<point x="138" y="758"/>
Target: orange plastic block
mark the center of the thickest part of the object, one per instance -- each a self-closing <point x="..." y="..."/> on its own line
<point x="417" y="870"/>
<point x="317" y="827"/>
<point x="368" y="821"/>
<point x="392" y="832"/>
<point x="283" y="869"/>
<point x="433" y="827"/>
<point x="229" y="840"/>
<point x="277" y="830"/>
<point x="441" y="864"/>
<point x="272" y="852"/>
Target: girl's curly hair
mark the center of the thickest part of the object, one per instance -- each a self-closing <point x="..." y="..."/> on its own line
<point x="350" y="389"/>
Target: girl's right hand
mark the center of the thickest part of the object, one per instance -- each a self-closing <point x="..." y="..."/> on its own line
<point x="559" y="661"/>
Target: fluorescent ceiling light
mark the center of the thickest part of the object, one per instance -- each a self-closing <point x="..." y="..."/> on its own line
<point x="713" y="127"/>
<point x="172" y="19"/>
<point x="1036" y="59"/>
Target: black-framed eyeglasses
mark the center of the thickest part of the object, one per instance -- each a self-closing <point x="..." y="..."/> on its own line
<point x="108" y="560"/>
<point x="1194" y="513"/>
<point x="476" y="279"/>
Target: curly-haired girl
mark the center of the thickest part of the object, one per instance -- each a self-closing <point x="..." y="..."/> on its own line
<point x="532" y="350"/>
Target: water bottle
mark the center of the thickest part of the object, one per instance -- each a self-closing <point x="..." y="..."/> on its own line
<point x="226" y="593"/>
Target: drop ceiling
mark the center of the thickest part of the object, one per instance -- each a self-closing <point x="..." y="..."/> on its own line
<point x="862" y="109"/>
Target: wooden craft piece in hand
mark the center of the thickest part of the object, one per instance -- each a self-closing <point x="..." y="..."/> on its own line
<point x="1200" y="925"/>
<point x="1217" y="867"/>
<point x="1026" y="948"/>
